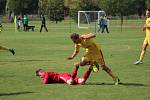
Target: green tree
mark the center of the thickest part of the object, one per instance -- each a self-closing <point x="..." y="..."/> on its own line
<point x="2" y="6"/>
<point x="123" y="7"/>
<point x="21" y="6"/>
<point x="116" y="7"/>
<point x="137" y="7"/>
<point x="89" y="5"/>
<point x="84" y="5"/>
<point x="11" y="7"/>
<point x="56" y="10"/>
<point x="43" y="6"/>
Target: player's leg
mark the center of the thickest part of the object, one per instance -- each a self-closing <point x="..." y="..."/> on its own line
<point x="99" y="61"/>
<point x="83" y="62"/>
<point x="41" y="28"/>
<point x="110" y="73"/>
<point x="140" y="61"/>
<point x="107" y="29"/>
<point x="23" y="27"/>
<point x="86" y="60"/>
<point x="74" y="73"/>
<point x="26" y="27"/>
<point x="107" y="69"/>
<point x="45" y="28"/>
<point x="143" y="50"/>
<point x="66" y="78"/>
<point x="99" y="28"/>
<point x="103" y="28"/>
<point x="3" y="48"/>
<point x="10" y="50"/>
<point x="85" y="76"/>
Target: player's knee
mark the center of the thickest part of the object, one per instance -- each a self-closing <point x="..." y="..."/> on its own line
<point x="82" y="64"/>
<point x="105" y="68"/>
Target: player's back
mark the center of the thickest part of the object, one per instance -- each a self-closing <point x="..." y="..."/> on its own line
<point x="53" y="77"/>
<point x="89" y="45"/>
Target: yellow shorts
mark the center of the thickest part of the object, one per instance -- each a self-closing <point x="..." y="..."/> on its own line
<point x="94" y="58"/>
<point x="146" y="41"/>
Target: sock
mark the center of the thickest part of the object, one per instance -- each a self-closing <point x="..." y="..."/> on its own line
<point x="87" y="74"/>
<point x="142" y="55"/>
<point x="74" y="73"/>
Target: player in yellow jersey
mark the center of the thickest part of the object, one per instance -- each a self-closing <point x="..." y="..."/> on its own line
<point x="146" y="42"/>
<point x="10" y="50"/>
<point x="93" y="54"/>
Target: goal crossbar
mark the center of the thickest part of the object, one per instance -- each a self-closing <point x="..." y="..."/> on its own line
<point x="84" y="12"/>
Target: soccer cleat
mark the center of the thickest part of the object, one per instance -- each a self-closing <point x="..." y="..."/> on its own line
<point x="95" y="67"/>
<point x="12" y="51"/>
<point x="138" y="62"/>
<point x="116" y="81"/>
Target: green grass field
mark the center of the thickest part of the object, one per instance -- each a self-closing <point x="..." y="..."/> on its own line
<point x="49" y="51"/>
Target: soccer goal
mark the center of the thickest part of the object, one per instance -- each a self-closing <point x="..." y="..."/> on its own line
<point x="89" y="19"/>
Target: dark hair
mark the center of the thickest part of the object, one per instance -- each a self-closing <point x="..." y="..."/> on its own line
<point x="74" y="36"/>
<point x="37" y="72"/>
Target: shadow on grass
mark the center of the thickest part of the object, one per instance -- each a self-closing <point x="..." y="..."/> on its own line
<point x="3" y="76"/>
<point x="124" y="84"/>
<point x="16" y="93"/>
<point x="30" y="60"/>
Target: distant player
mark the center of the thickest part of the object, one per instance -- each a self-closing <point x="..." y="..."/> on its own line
<point x="25" y="22"/>
<point x="49" y="77"/>
<point x="93" y="53"/>
<point x="10" y="50"/>
<point x="147" y="38"/>
<point x="43" y="23"/>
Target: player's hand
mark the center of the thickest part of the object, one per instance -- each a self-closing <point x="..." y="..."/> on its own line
<point x="70" y="58"/>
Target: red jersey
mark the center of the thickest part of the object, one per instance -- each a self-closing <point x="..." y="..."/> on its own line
<point x="53" y="77"/>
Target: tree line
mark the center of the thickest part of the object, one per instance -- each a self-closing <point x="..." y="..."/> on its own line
<point x="57" y="9"/>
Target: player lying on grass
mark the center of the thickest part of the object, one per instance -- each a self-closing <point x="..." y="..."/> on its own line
<point x="93" y="53"/>
<point x="147" y="38"/>
<point x="10" y="50"/>
<point x="49" y="77"/>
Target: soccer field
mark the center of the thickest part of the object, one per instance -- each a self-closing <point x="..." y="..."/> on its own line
<point x="50" y="50"/>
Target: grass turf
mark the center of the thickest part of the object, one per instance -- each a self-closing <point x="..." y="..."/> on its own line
<point x="49" y="51"/>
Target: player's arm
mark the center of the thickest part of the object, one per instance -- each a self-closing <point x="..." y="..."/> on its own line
<point x="76" y="51"/>
<point x="88" y="36"/>
<point x="146" y="27"/>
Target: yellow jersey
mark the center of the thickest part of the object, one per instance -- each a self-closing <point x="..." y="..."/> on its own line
<point x="92" y="50"/>
<point x="147" y="38"/>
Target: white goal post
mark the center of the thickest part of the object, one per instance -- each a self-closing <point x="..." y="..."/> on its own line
<point x="86" y="15"/>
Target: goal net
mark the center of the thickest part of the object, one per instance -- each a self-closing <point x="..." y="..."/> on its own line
<point x="89" y="19"/>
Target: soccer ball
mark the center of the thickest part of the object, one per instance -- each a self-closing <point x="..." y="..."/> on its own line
<point x="95" y="67"/>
